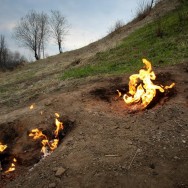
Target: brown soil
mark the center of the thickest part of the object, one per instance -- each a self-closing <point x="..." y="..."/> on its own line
<point x="104" y="142"/>
<point x="106" y="145"/>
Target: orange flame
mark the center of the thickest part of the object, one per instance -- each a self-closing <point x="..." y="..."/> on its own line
<point x="46" y="144"/>
<point x="54" y="144"/>
<point x="143" y="92"/>
<point x="12" y="166"/>
<point x="31" y="107"/>
<point x="59" y="125"/>
<point x="2" y="147"/>
<point x="36" y="133"/>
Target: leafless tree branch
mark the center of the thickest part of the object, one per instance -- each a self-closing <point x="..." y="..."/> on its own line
<point x="59" y="27"/>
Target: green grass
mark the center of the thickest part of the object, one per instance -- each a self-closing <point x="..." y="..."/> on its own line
<point x="143" y="43"/>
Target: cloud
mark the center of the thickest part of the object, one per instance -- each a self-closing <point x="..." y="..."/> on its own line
<point x="89" y="19"/>
<point x="7" y="26"/>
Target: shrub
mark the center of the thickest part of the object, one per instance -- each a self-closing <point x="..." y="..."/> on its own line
<point x="143" y="9"/>
<point x="159" y="27"/>
<point x="118" y="24"/>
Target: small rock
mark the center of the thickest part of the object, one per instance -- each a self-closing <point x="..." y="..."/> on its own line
<point x="48" y="103"/>
<point x="52" y="185"/>
<point x="127" y="126"/>
<point x="129" y="142"/>
<point x="60" y="171"/>
<point x="175" y="157"/>
<point x="184" y="141"/>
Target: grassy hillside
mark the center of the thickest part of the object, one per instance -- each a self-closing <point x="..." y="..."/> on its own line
<point x="164" y="41"/>
<point x="29" y="82"/>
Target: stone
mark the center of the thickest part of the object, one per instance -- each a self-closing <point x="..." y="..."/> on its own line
<point x="60" y="171"/>
<point x="48" y="103"/>
<point x="127" y="127"/>
<point x="129" y="142"/>
<point x="184" y="141"/>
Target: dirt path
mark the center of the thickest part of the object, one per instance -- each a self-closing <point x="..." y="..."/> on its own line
<point x="107" y="146"/>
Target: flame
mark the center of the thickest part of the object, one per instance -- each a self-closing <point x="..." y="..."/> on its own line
<point x="46" y="144"/>
<point x="57" y="115"/>
<point x="36" y="133"/>
<point x="119" y="93"/>
<point x="59" y="126"/>
<point x="145" y="91"/>
<point x="2" y="147"/>
<point x="31" y="107"/>
<point x="12" y="166"/>
<point x="54" y="144"/>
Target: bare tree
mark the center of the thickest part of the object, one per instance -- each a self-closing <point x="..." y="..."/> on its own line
<point x="3" y="52"/>
<point x="9" y="60"/>
<point x="44" y="32"/>
<point x="59" y="27"/>
<point x="31" y="32"/>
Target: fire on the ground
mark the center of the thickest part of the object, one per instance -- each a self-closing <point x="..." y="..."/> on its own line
<point x="12" y="166"/>
<point x="141" y="88"/>
<point x="48" y="145"/>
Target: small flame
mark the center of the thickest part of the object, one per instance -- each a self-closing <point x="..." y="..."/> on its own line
<point x="31" y="107"/>
<point x="12" y="166"/>
<point x="145" y="91"/>
<point x="46" y="144"/>
<point x="2" y="147"/>
<point x="54" y="144"/>
<point x="59" y="126"/>
<point x="36" y="133"/>
<point x="57" y="115"/>
<point x="119" y="93"/>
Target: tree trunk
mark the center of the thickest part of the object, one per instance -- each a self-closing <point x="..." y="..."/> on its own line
<point x="60" y="49"/>
<point x="152" y="1"/>
<point x="36" y="56"/>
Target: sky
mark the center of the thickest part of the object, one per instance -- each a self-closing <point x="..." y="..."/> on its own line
<point x="89" y="20"/>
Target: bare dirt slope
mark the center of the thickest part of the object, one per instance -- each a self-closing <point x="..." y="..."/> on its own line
<point x="108" y="146"/>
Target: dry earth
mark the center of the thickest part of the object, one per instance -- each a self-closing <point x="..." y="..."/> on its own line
<point x="107" y="146"/>
<point x="103" y="144"/>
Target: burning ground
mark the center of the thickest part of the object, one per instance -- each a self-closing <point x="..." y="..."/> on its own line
<point x="104" y="143"/>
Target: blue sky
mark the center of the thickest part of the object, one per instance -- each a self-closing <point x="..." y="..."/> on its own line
<point x="89" y="20"/>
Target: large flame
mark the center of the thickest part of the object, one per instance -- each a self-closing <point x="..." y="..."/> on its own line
<point x="2" y="147"/>
<point x="46" y="144"/>
<point x="141" y="88"/>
